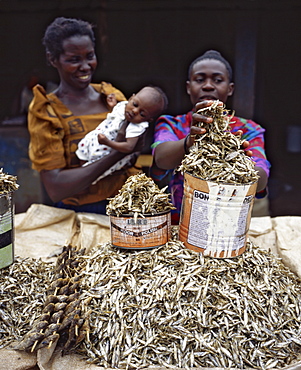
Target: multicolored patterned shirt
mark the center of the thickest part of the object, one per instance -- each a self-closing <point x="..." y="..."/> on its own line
<point x="170" y="128"/>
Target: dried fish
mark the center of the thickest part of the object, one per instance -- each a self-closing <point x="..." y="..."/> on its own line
<point x="171" y="307"/>
<point x="8" y="183"/>
<point x="217" y="155"/>
<point x="48" y="341"/>
<point x="139" y="196"/>
<point x="61" y="307"/>
<point x="22" y="295"/>
<point x="168" y="307"/>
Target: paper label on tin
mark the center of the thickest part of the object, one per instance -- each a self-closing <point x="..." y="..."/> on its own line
<point x="218" y="219"/>
<point x="128" y="232"/>
<point x="6" y="239"/>
<point x="6" y="256"/>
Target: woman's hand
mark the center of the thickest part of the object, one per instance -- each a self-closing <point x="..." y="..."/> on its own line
<point x="244" y="143"/>
<point x="168" y="155"/>
<point x="197" y="117"/>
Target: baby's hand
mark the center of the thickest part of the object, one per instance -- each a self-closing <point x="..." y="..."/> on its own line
<point x="111" y="100"/>
<point x="102" y="139"/>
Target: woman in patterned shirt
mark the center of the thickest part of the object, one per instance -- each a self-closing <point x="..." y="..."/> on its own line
<point x="209" y="78"/>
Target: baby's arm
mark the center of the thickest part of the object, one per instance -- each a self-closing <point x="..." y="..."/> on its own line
<point x="122" y="146"/>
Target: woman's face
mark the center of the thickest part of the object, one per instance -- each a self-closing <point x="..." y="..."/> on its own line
<point x="77" y="63"/>
<point x="209" y="80"/>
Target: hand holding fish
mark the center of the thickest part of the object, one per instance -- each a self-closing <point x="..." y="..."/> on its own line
<point x="199" y="117"/>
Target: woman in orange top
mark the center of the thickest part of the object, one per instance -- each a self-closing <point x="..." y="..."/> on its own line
<point x="59" y="120"/>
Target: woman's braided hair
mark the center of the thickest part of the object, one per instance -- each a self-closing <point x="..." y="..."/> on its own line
<point x="212" y="54"/>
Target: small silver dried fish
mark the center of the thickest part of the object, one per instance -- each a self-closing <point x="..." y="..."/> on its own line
<point x="172" y="307"/>
<point x="139" y="196"/>
<point x="168" y="307"/>
<point x="217" y="155"/>
<point x="22" y="295"/>
<point x="8" y="183"/>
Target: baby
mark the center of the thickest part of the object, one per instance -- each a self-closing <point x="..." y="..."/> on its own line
<point x="141" y="109"/>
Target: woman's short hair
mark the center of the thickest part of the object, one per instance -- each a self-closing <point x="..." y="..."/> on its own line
<point x="62" y="28"/>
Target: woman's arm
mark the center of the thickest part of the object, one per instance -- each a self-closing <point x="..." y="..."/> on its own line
<point x="63" y="183"/>
<point x="263" y="179"/>
<point x="169" y="154"/>
<point x="66" y="182"/>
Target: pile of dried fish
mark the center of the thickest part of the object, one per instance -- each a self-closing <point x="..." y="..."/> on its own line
<point x="61" y="315"/>
<point x="169" y="307"/>
<point x="217" y="155"/>
<point x="172" y="307"/>
<point x="8" y="183"/>
<point x="22" y="295"/>
<point x="139" y="196"/>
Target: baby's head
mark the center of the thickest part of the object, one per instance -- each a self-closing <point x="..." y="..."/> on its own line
<point x="146" y="105"/>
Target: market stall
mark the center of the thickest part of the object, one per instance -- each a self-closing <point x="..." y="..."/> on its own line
<point x="222" y="290"/>
<point x="42" y="231"/>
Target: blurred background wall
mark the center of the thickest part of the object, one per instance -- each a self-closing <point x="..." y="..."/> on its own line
<point x="154" y="41"/>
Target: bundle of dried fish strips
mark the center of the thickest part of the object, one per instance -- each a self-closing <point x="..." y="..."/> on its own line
<point x="61" y="315"/>
<point x="8" y="183"/>
<point x="217" y="155"/>
<point x="172" y="307"/>
<point x="139" y="196"/>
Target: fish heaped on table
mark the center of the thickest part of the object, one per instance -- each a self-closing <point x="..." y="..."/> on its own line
<point x="174" y="308"/>
<point x="168" y="307"/>
<point x="63" y="307"/>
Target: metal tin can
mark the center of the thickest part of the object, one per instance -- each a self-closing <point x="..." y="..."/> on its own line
<point x="148" y="232"/>
<point x="6" y="230"/>
<point x="215" y="218"/>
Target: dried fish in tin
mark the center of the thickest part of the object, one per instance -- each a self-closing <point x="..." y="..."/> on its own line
<point x="8" y="183"/>
<point x="217" y="155"/>
<point x="139" y="196"/>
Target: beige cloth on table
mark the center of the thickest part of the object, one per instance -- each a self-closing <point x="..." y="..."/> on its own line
<point x="282" y="235"/>
<point x="42" y="231"/>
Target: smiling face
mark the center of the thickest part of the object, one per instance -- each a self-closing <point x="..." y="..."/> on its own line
<point x="143" y="106"/>
<point x="77" y="63"/>
<point x="209" y="80"/>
